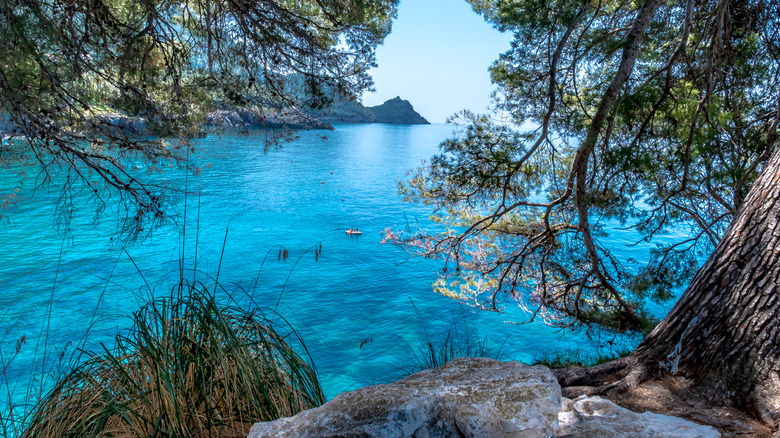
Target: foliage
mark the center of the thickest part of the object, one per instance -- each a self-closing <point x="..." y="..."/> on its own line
<point x="654" y="116"/>
<point x="189" y="367"/>
<point x="75" y="76"/>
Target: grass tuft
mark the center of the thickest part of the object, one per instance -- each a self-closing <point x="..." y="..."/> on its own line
<point x="189" y="367"/>
<point x="576" y="358"/>
<point x="459" y="340"/>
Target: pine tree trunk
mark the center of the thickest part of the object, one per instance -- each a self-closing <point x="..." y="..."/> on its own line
<point x="724" y="331"/>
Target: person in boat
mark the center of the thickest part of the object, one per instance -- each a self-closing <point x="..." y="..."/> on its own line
<point x="350" y="231"/>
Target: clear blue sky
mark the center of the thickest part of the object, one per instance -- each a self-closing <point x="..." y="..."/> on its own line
<point x="437" y="57"/>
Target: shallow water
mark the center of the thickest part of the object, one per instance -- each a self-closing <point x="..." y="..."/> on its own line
<point x="308" y="192"/>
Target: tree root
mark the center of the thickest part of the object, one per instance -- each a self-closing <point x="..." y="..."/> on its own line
<point x="765" y="400"/>
<point x="633" y="385"/>
<point x="598" y="375"/>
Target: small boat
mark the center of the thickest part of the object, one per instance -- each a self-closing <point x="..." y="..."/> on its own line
<point x="355" y="232"/>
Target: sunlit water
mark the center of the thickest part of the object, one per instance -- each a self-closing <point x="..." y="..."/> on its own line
<point x="308" y="192"/>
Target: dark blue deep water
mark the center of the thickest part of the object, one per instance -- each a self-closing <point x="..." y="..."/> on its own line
<point x="305" y="193"/>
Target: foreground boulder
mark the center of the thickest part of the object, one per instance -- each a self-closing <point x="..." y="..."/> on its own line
<point x="468" y="397"/>
<point x="476" y="397"/>
<point x="594" y="417"/>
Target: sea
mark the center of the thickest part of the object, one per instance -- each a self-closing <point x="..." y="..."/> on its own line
<point x="362" y="307"/>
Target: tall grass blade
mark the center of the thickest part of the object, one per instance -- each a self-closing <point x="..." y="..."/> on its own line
<point x="189" y="367"/>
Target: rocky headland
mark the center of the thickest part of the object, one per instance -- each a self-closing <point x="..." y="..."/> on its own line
<point x="394" y="111"/>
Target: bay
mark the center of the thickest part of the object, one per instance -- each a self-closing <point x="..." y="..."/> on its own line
<point x="361" y="307"/>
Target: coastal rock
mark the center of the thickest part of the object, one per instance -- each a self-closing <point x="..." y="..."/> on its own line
<point x="594" y="417"/>
<point x="393" y="111"/>
<point x="398" y="111"/>
<point x="130" y="125"/>
<point x="246" y="119"/>
<point x="470" y="397"/>
<point x="476" y="397"/>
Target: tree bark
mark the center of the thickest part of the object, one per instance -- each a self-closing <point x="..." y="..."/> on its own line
<point x="724" y="332"/>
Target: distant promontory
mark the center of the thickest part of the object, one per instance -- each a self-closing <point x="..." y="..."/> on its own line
<point x="396" y="111"/>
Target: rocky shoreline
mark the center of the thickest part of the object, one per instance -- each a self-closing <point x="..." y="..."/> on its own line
<point x="393" y="111"/>
<point x="216" y="120"/>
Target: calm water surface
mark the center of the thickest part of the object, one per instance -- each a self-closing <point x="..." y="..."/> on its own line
<point x="306" y="193"/>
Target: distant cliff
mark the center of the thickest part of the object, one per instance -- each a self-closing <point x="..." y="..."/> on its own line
<point x="396" y="110"/>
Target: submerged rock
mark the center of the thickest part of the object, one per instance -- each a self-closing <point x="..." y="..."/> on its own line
<point x="469" y="397"/>
<point x="595" y="417"/>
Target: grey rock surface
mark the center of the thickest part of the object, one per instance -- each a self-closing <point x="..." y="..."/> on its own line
<point x="594" y="417"/>
<point x="476" y="397"/>
<point x="469" y="397"/>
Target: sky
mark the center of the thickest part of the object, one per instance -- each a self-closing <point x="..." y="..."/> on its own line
<point x="437" y="57"/>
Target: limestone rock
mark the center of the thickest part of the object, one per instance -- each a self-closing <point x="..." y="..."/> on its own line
<point x="469" y="397"/>
<point x="594" y="417"/>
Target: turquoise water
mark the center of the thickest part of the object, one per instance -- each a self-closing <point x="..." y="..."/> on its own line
<point x="306" y="193"/>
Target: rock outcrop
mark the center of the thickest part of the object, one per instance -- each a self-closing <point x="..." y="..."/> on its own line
<point x="246" y="119"/>
<point x="397" y="110"/>
<point x="475" y="397"/>
<point x="394" y="111"/>
<point x="467" y="397"/>
<point x="595" y="417"/>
